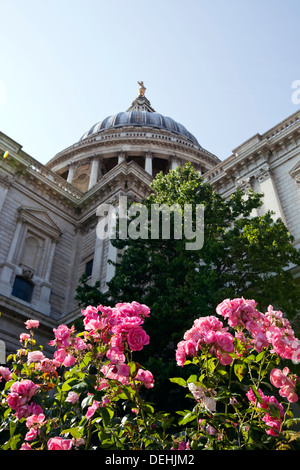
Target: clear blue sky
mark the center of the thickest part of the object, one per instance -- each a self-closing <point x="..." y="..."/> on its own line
<point x="223" y="68"/>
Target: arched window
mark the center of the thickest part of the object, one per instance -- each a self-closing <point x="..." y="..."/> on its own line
<point x="22" y="288"/>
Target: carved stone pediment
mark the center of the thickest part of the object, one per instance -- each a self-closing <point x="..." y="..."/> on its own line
<point x="41" y="220"/>
<point x="295" y="173"/>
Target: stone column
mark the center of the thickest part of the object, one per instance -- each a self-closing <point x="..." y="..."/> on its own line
<point x="121" y="157"/>
<point x="174" y="163"/>
<point x="267" y="186"/>
<point x="71" y="173"/>
<point x="94" y="172"/>
<point x="148" y="162"/>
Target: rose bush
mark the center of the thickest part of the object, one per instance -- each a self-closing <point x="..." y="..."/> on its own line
<point x="236" y="370"/>
<point x="89" y="395"/>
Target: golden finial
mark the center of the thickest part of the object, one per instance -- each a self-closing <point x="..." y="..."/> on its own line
<point x="142" y="89"/>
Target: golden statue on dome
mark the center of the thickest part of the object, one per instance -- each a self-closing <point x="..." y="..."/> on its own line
<point x="142" y="89"/>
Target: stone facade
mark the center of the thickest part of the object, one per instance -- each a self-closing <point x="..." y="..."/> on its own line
<point x="48" y="212"/>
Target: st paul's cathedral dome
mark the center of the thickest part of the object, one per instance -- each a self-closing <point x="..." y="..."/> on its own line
<point x="141" y="135"/>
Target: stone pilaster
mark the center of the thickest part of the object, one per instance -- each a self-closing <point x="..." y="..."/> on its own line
<point x="268" y="188"/>
<point x="148" y="162"/>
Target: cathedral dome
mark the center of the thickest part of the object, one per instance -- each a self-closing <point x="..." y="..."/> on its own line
<point x="140" y="117"/>
<point x="139" y="137"/>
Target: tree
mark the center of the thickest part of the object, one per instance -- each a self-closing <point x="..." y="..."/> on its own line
<point x="242" y="255"/>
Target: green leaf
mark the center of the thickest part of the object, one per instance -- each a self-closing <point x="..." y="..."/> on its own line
<point x="187" y="418"/>
<point x="75" y="432"/>
<point x="192" y="378"/>
<point x="107" y="415"/>
<point x="274" y="410"/>
<point x="179" y="381"/>
<point x="79" y="387"/>
<point x="87" y="401"/>
<point x="260" y="356"/>
<point x="68" y="384"/>
<point x="14" y="441"/>
<point x="12" y="428"/>
<point x="240" y="370"/>
<point x="256" y="393"/>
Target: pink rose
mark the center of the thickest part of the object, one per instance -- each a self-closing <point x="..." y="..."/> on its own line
<point x="13" y="400"/>
<point x="69" y="360"/>
<point x="118" y="371"/>
<point x="289" y="393"/>
<point x="225" y="341"/>
<point x="137" y="338"/>
<point x="274" y="424"/>
<point x="64" y="358"/>
<point x="62" y="336"/>
<point x="141" y="309"/>
<point x="35" y="356"/>
<point x="31" y="434"/>
<point x="72" y="397"/>
<point x="114" y="354"/>
<point x="32" y="324"/>
<point x="126" y="309"/>
<point x="25" y="446"/>
<point x="210" y="430"/>
<point x="286" y="385"/>
<point x="24" y="336"/>
<point x="5" y="373"/>
<point x="224" y="358"/>
<point x="190" y="347"/>
<point x="180" y="353"/>
<point x="193" y="334"/>
<point x="58" y="443"/>
<point x="205" y="324"/>
<point x="35" y="420"/>
<point x="260" y="341"/>
<point x="278" y="378"/>
<point x="34" y="409"/>
<point x="79" y="344"/>
<point x="91" y="409"/>
<point x="131" y="322"/>
<point x="146" y="377"/>
<point x="25" y="388"/>
<point x="47" y="365"/>
<point x="210" y="337"/>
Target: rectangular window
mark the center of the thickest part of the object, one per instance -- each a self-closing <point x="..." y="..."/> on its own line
<point x="22" y="289"/>
<point x="89" y="268"/>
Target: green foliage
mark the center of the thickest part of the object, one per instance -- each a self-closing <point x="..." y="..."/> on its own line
<point x="241" y="253"/>
<point x="87" y="294"/>
<point x="228" y="408"/>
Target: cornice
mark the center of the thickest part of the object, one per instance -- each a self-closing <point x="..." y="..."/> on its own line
<point x="130" y="136"/>
<point x="14" y="310"/>
<point x="258" y="150"/>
